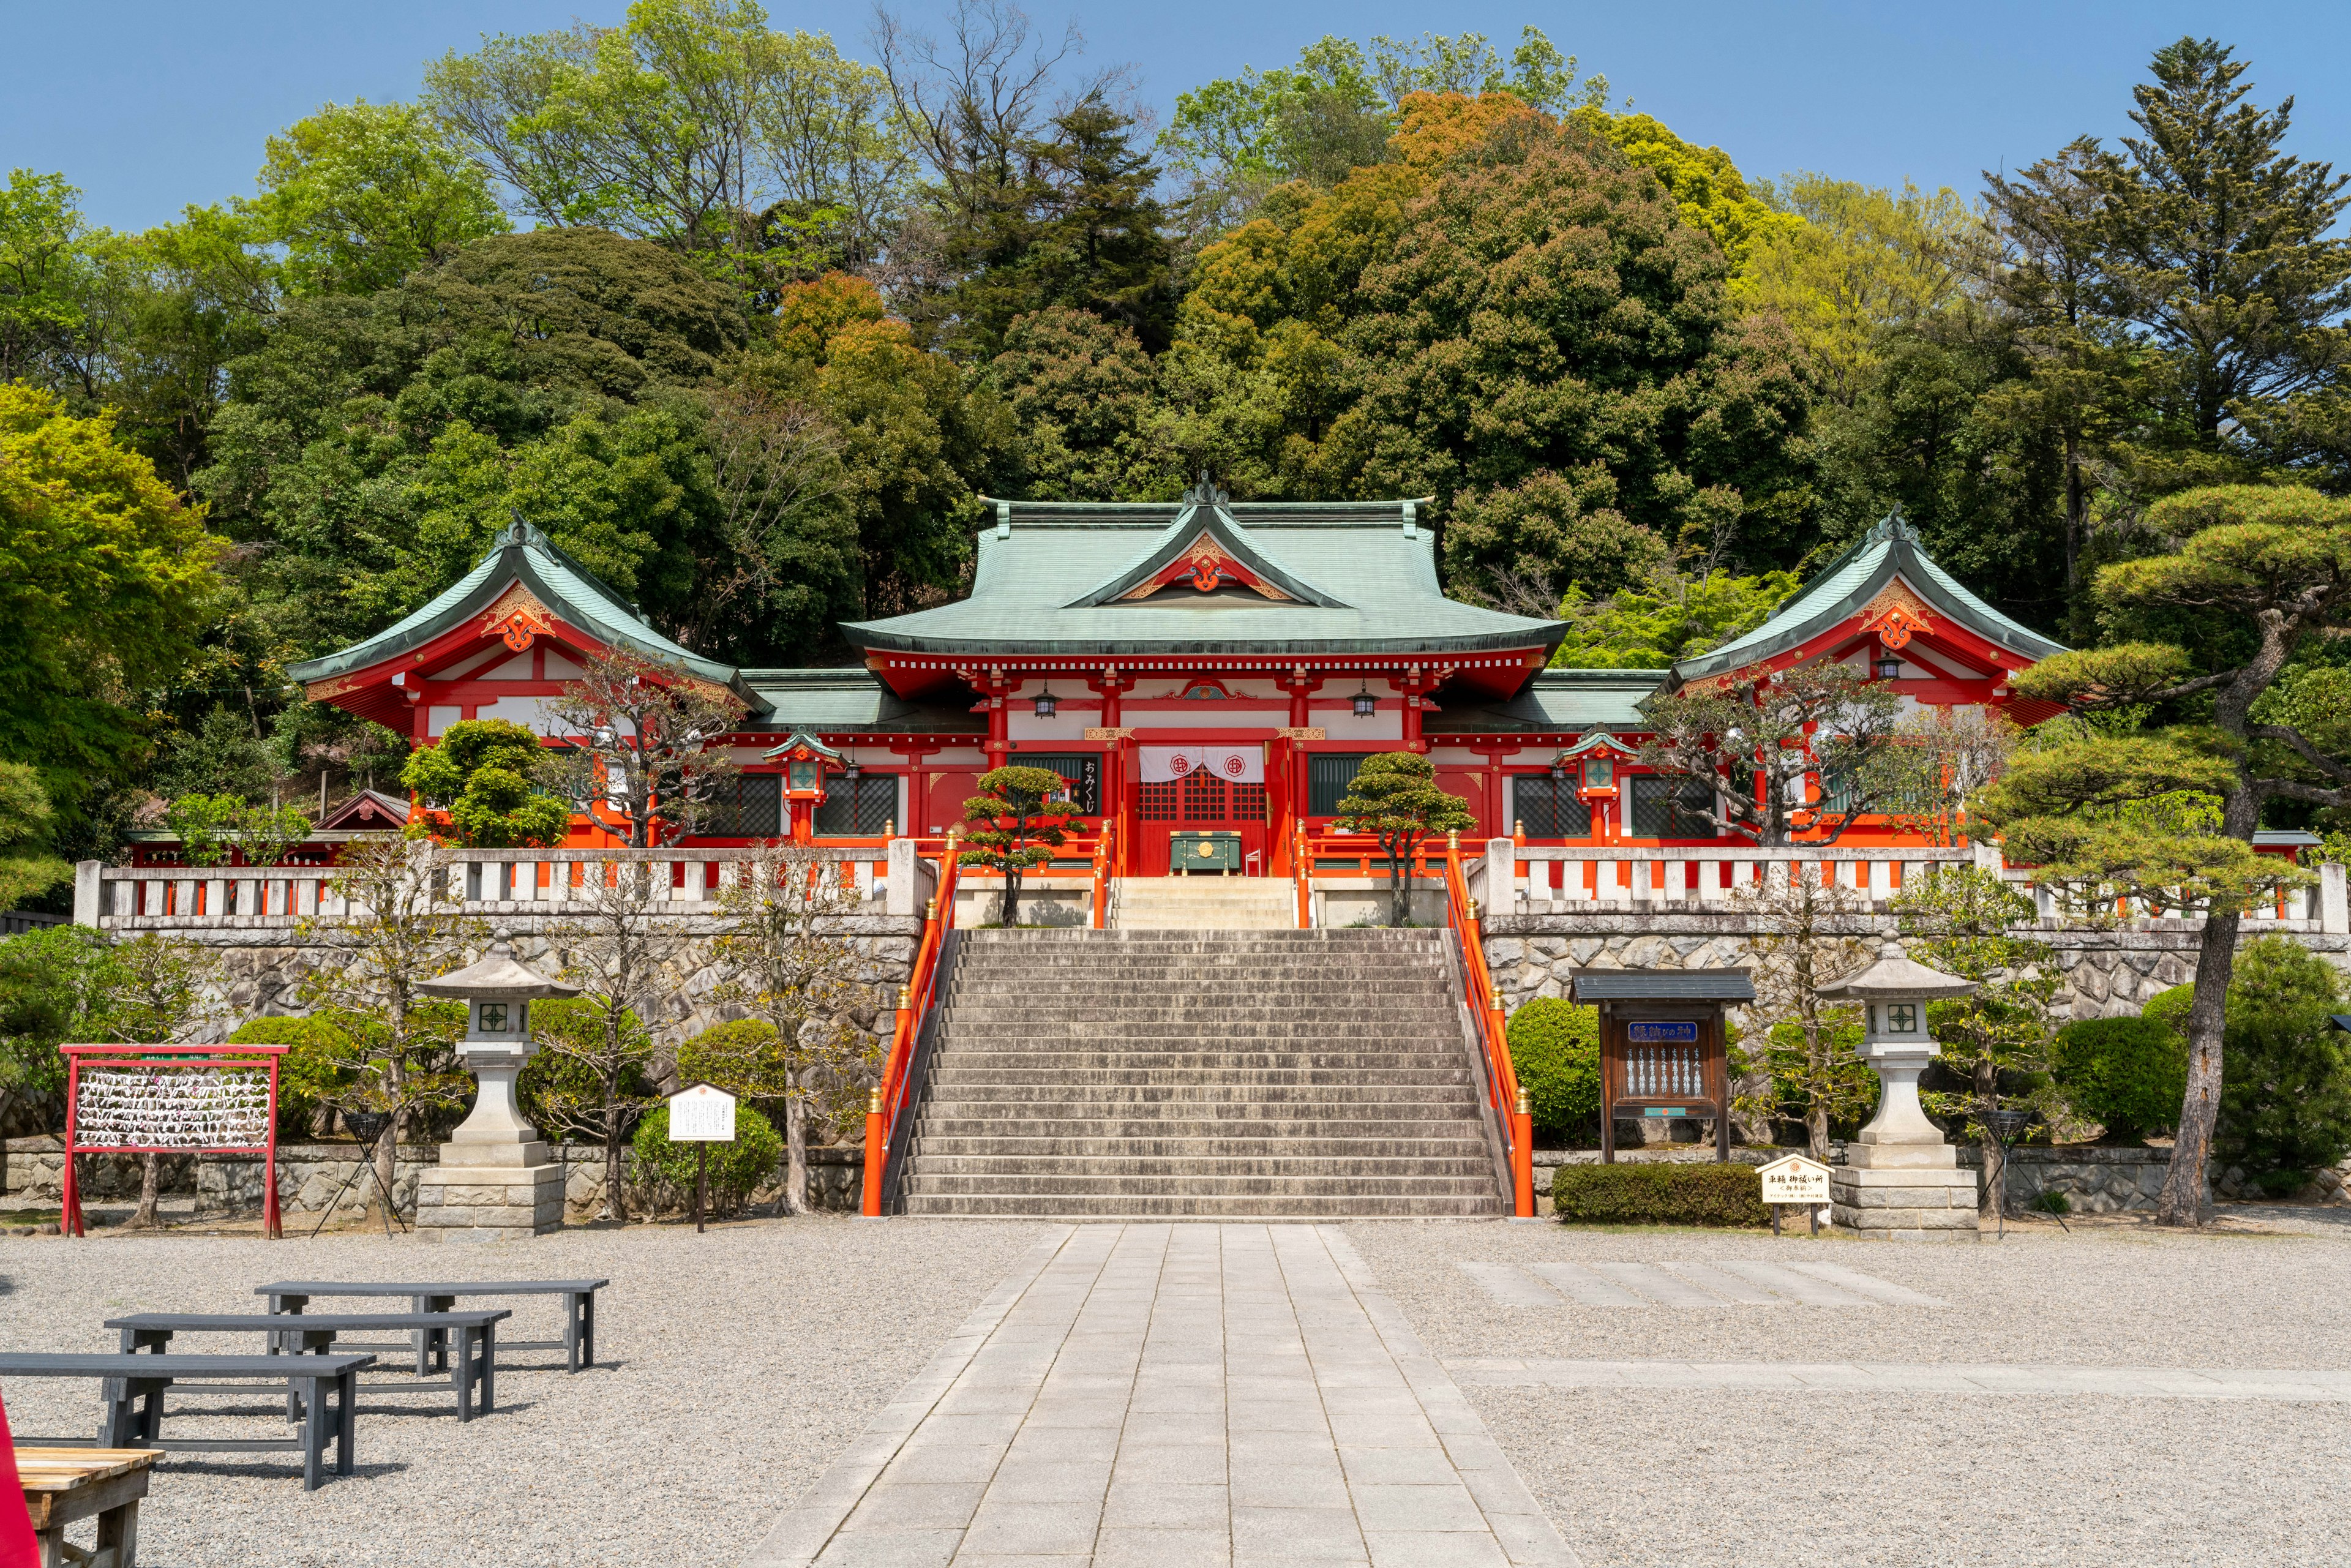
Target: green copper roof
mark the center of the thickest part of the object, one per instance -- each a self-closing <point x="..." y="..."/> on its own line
<point x="525" y="555"/>
<point x="1847" y="584"/>
<point x="1045" y="569"/>
<point x="820" y="701"/>
<point x="1554" y="700"/>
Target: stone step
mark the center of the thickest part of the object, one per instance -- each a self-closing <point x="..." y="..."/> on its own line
<point x="1218" y="1090"/>
<point x="964" y="1055"/>
<point x="950" y="1078"/>
<point x="1402" y="1034"/>
<point x="1130" y="1205"/>
<point x="1332" y="1185"/>
<point x="1205" y="1016"/>
<point x="1460" y="1142"/>
<point x="1200" y="1122"/>
<point x="1461" y="1164"/>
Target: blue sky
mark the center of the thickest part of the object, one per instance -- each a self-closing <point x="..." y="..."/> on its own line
<point x="149" y="106"/>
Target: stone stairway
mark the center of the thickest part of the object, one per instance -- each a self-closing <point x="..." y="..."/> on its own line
<point x="1212" y="1074"/>
<point x="1204" y="903"/>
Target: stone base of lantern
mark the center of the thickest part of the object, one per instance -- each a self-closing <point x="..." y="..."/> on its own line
<point x="458" y="1201"/>
<point x="1903" y="1192"/>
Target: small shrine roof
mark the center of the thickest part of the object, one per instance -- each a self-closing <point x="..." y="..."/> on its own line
<point x="832" y="700"/>
<point x="1662" y="985"/>
<point x="1061" y="578"/>
<point x="1844" y="589"/>
<point x="520" y="554"/>
<point x="1554" y="700"/>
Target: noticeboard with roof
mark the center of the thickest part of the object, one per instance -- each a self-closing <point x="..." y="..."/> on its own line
<point x="1662" y="1046"/>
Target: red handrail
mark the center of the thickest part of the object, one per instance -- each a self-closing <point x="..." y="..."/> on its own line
<point x="1101" y="876"/>
<point x="1486" y="1009"/>
<point x="1301" y="871"/>
<point x="914" y="1001"/>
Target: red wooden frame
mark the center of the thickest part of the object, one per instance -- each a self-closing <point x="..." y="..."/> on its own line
<point x="236" y="1056"/>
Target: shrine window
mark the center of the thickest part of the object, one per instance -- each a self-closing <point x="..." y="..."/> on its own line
<point x="1549" y="808"/>
<point x="1248" y="803"/>
<point x="1159" y="802"/>
<point x="1668" y="808"/>
<point x="860" y="807"/>
<point x="1329" y="776"/>
<point x="748" y="806"/>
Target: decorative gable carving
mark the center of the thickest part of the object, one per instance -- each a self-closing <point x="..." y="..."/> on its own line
<point x="516" y="617"/>
<point x="1896" y="615"/>
<point x="1207" y="566"/>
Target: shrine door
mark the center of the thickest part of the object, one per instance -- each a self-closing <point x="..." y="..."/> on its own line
<point x="1198" y="802"/>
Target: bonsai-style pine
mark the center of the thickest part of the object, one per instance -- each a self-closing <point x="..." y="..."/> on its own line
<point x="1394" y="799"/>
<point x="1016" y="822"/>
<point x="483" y="775"/>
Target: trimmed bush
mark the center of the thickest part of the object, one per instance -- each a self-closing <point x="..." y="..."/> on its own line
<point x="736" y="1169"/>
<point x="2127" y="1074"/>
<point x="1555" y="1051"/>
<point x="305" y="1075"/>
<point x="1650" y="1193"/>
<point x="2169" y="1009"/>
<point x="2286" y="1093"/>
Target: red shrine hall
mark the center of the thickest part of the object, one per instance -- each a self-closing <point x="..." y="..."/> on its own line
<point x="1206" y="672"/>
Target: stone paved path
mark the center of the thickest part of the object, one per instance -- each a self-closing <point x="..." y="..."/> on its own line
<point x="1918" y="1377"/>
<point x="1171" y="1395"/>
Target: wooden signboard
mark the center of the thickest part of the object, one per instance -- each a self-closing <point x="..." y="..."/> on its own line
<point x="1661" y="1046"/>
<point x="702" y="1116"/>
<point x="1794" y="1182"/>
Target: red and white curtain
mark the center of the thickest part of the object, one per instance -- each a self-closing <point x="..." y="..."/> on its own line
<point x="1235" y="764"/>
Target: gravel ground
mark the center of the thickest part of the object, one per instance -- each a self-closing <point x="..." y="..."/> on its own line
<point x="1738" y="1476"/>
<point x="737" y="1364"/>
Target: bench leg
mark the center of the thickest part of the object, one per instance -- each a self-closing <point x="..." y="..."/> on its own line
<point x="347" y="1425"/>
<point x="489" y="1364"/>
<point x="117" y="1531"/>
<point x="314" y="1439"/>
<point x="463" y="1376"/>
<point x="579" y="1331"/>
<point x="53" y="1548"/>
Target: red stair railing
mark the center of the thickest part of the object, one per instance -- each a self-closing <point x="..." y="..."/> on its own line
<point x="1508" y="1103"/>
<point x="888" y="1120"/>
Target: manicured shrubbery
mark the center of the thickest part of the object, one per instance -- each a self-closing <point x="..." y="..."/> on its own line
<point x="1555" y="1051"/>
<point x="2127" y="1074"/>
<point x="736" y="1169"/>
<point x="2286" y="1095"/>
<point x="1652" y="1194"/>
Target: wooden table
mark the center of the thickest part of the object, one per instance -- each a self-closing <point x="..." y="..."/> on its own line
<point x="474" y="1370"/>
<point x="65" y="1485"/>
<point x="135" y="1400"/>
<point x="578" y="1344"/>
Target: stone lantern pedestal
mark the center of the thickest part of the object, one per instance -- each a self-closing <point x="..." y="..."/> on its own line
<point x="497" y="1179"/>
<point x="1901" y="1181"/>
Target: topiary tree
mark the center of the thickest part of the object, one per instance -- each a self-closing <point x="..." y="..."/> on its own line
<point x="2286" y="1093"/>
<point x="1555" y="1052"/>
<point x="1394" y="799"/>
<point x="589" y="1079"/>
<point x="483" y="775"/>
<point x="2126" y="1074"/>
<point x="736" y="1169"/>
<point x="1017" y="820"/>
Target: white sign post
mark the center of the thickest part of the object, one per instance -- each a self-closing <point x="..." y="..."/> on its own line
<point x="1795" y="1181"/>
<point x="701" y="1115"/>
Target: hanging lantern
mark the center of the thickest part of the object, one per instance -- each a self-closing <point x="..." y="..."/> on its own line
<point x="1367" y="705"/>
<point x="1047" y="703"/>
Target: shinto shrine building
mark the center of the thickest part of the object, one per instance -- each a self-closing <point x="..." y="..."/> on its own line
<point x="1203" y="666"/>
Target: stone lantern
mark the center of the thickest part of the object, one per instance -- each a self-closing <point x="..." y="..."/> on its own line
<point x="1900" y="1180"/>
<point x="495" y="1178"/>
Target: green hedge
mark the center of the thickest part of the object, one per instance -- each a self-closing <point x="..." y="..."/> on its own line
<point x="1555" y="1051"/>
<point x="2127" y="1074"/>
<point x="1652" y="1194"/>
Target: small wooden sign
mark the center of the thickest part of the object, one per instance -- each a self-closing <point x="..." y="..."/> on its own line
<point x="1796" y="1180"/>
<point x="702" y="1116"/>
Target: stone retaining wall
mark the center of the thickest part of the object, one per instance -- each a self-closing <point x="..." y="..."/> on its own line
<point x="2107" y="973"/>
<point x="308" y="1175"/>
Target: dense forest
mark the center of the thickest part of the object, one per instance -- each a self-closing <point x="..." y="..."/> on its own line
<point x="748" y="325"/>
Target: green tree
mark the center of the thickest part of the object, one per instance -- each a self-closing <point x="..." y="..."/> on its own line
<point x="52" y="991"/>
<point x="590" y="1078"/>
<point x="1078" y="392"/>
<point x="640" y="732"/>
<point x="213" y="828"/>
<point x="2276" y="564"/>
<point x="2285" y="1095"/>
<point x="1670" y="616"/>
<point x="1803" y="937"/>
<point x="44" y="277"/>
<point x="1017" y="820"/>
<point x="27" y="868"/>
<point x="1707" y="189"/>
<point x="1963" y="920"/>
<point x="1395" y="800"/>
<point x="2219" y="248"/>
<point x="105" y="579"/>
<point x="362" y="195"/>
<point x="484" y="774"/>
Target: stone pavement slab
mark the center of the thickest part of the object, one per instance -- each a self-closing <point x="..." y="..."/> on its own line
<point x="1923" y="1377"/>
<point x="1163" y="1396"/>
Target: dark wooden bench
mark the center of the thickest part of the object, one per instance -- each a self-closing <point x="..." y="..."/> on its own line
<point x="135" y="1400"/>
<point x="578" y="1344"/>
<point x="474" y="1369"/>
<point x="63" y="1485"/>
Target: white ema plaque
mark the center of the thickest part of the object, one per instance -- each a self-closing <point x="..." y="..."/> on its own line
<point x="1796" y="1180"/>
<point x="705" y="1116"/>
